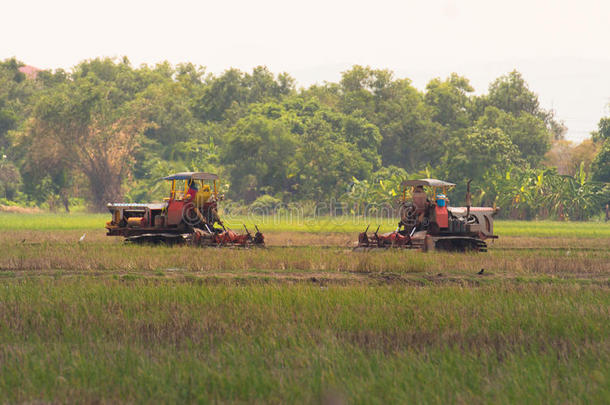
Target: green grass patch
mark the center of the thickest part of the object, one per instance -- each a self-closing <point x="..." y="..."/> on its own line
<point x="52" y="222"/>
<point x="168" y="342"/>
<point x="552" y="229"/>
<point x="325" y="224"/>
<point x="106" y="322"/>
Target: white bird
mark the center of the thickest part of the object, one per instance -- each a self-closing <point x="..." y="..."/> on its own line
<point x="82" y="238"/>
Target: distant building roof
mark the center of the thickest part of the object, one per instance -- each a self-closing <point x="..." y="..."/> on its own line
<point x="29" y="71"/>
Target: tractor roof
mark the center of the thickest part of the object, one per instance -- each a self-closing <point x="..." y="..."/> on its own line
<point x="192" y="175"/>
<point x="427" y="182"/>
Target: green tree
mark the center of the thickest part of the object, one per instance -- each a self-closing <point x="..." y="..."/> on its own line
<point x="333" y="148"/>
<point x="237" y="89"/>
<point x="10" y="179"/>
<point x="603" y="130"/>
<point x="94" y="127"/>
<point x="526" y="131"/>
<point x="409" y="138"/>
<point x="16" y="94"/>
<point x="258" y="155"/>
<point x="481" y="150"/>
<point x="300" y="149"/>
<point x="327" y="161"/>
<point x="167" y="105"/>
<point x="450" y="101"/>
<point x="362" y="88"/>
<point x="357" y="131"/>
<point x="510" y="93"/>
<point x="600" y="168"/>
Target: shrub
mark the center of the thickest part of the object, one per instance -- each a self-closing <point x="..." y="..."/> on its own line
<point x="265" y="204"/>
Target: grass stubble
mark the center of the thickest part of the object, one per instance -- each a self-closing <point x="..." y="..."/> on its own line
<point x="104" y="322"/>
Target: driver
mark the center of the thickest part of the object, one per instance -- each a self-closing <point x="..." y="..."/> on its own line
<point x="207" y="214"/>
<point x="192" y="192"/>
<point x="204" y="195"/>
<point x="420" y="202"/>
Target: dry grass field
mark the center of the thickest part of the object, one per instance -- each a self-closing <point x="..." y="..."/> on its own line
<point x="303" y="320"/>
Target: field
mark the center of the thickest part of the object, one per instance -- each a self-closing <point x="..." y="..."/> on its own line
<point x="100" y="321"/>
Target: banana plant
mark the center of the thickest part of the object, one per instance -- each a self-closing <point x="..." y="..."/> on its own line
<point x="528" y="193"/>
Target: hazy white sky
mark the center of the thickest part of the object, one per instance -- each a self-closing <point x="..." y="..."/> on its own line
<point x="561" y="47"/>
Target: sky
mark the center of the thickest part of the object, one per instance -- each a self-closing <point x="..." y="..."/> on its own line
<point x="562" y="48"/>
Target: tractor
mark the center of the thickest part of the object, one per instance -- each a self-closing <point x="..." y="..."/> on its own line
<point x="189" y="215"/>
<point x="427" y="222"/>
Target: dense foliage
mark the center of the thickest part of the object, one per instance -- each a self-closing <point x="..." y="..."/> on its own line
<point x="108" y="131"/>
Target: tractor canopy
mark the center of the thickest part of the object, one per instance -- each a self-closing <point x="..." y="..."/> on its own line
<point x="192" y="181"/>
<point x="427" y="182"/>
<point x="433" y="184"/>
<point x="192" y="176"/>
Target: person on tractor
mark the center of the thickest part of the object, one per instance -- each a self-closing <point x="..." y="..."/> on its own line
<point x="420" y="202"/>
<point x="203" y="196"/>
<point x="205" y="208"/>
<point x="441" y="200"/>
<point x="192" y="192"/>
<point x="413" y="214"/>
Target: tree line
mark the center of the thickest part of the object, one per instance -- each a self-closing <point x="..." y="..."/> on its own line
<point x="107" y="131"/>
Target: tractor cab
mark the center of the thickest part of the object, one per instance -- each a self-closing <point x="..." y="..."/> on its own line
<point x="428" y="209"/>
<point x="191" y="192"/>
<point x="192" y="201"/>
<point x="185" y="186"/>
<point x="425" y="204"/>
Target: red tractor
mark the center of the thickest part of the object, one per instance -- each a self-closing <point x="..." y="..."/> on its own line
<point x="427" y="222"/>
<point x="188" y="215"/>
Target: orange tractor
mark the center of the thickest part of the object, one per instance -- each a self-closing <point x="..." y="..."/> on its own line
<point x="427" y="222"/>
<point x="188" y="215"/>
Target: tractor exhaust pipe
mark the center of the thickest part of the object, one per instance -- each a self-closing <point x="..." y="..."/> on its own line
<point x="468" y="202"/>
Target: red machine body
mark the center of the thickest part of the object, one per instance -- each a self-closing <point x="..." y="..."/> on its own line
<point x="189" y="214"/>
<point x="442" y="217"/>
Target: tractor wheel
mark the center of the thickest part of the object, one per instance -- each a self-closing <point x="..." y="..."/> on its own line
<point x="459" y="245"/>
<point x="190" y="217"/>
